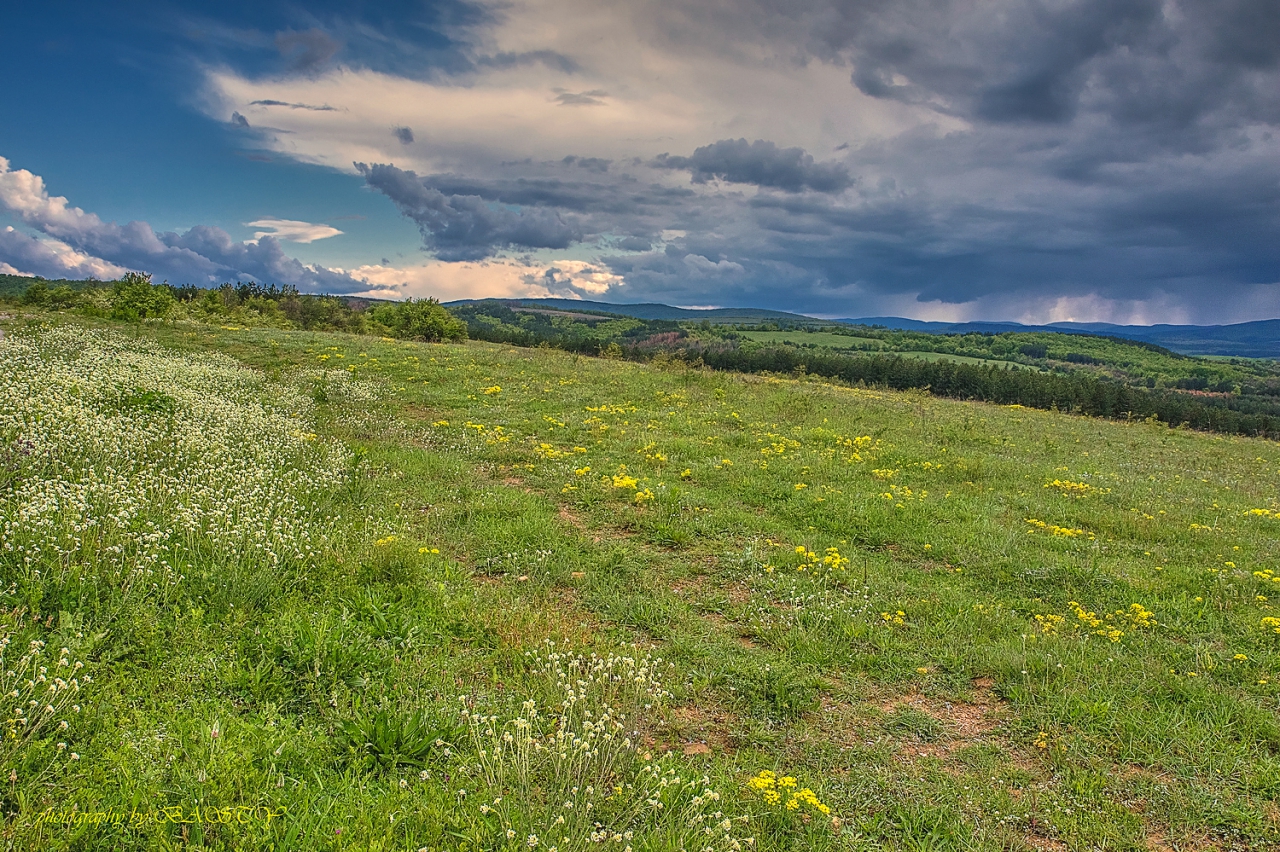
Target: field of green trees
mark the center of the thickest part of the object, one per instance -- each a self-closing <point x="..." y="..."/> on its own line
<point x="271" y="588"/>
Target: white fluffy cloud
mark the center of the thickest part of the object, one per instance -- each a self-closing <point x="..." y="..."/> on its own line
<point x="291" y="230"/>
<point x="635" y="81"/>
<point x="49" y="258"/>
<point x="500" y="279"/>
<point x="203" y="255"/>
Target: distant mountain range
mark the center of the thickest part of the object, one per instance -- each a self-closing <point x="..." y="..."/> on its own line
<point x="1259" y="339"/>
<point x="653" y="311"/>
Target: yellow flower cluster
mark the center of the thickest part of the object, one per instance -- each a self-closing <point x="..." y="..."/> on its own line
<point x="1106" y="625"/>
<point x="1049" y="623"/>
<point x="902" y="493"/>
<point x="621" y="479"/>
<point x="1075" y="489"/>
<point x="644" y="496"/>
<point x="785" y="792"/>
<point x="890" y="619"/>
<point x="1271" y="623"/>
<point x="862" y="442"/>
<point x="1054" y="529"/>
<point x="1267" y="575"/>
<point x="1139" y="616"/>
<point x="496" y="435"/>
<point x="884" y="474"/>
<point x="830" y="560"/>
<point x="493" y="390"/>
<point x="1263" y="513"/>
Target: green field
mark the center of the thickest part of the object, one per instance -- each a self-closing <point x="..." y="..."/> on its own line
<point x="817" y="338"/>
<point x="333" y="592"/>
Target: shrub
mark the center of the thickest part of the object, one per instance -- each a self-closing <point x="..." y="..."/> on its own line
<point x="135" y="298"/>
<point x="36" y="294"/>
<point x="420" y="319"/>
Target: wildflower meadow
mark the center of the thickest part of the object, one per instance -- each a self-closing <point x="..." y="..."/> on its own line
<point x="287" y="590"/>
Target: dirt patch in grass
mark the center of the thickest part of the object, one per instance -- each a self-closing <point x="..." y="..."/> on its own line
<point x="567" y="515"/>
<point x="959" y="723"/>
<point x="1040" y="843"/>
<point x="694" y="729"/>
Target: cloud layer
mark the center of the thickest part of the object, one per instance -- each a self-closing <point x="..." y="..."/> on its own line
<point x="1119" y="158"/>
<point x="80" y="244"/>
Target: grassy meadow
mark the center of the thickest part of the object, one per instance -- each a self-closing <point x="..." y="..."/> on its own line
<point x="268" y="589"/>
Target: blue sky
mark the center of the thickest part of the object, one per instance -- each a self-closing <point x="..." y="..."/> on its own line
<point x="938" y="159"/>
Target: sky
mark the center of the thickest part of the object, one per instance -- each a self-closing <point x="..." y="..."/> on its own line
<point x="1084" y="160"/>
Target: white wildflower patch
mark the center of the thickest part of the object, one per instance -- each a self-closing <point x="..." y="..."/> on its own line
<point x="131" y="460"/>
<point x="577" y="774"/>
<point x="38" y="691"/>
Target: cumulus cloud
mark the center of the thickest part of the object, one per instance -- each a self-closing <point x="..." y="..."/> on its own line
<point x="505" y="278"/>
<point x="202" y="255"/>
<point x="25" y="255"/>
<point x="292" y="230"/>
<point x="466" y="227"/>
<point x="762" y="163"/>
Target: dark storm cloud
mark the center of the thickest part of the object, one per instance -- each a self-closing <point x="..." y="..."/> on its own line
<point x="762" y="163"/>
<point x="595" y="164"/>
<point x="308" y="50"/>
<point x="607" y="195"/>
<point x="404" y="134"/>
<point x="1123" y="149"/>
<point x="1132" y="60"/>
<point x="467" y="227"/>
<point x="1119" y="150"/>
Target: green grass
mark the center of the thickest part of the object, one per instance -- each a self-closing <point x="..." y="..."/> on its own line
<point x="939" y="681"/>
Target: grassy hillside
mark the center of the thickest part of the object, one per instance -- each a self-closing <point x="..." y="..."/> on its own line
<point x="1132" y="362"/>
<point x="335" y="592"/>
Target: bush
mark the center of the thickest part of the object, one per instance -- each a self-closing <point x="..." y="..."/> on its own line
<point x="135" y="298"/>
<point x="36" y="294"/>
<point x="420" y="319"/>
